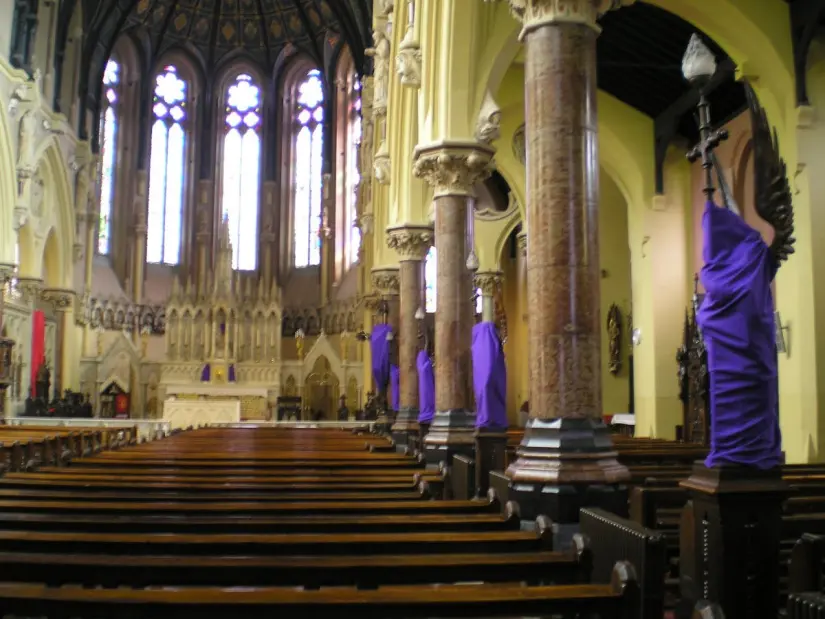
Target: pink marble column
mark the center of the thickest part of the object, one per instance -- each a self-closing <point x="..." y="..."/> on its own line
<point x="565" y="441"/>
<point x="452" y="168"/>
<point x="411" y="243"/>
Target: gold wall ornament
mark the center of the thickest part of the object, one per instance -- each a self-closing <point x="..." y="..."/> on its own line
<point x="614" y="334"/>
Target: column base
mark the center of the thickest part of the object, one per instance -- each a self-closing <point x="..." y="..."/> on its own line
<point x="564" y="465"/>
<point x="730" y="540"/>
<point x="451" y="432"/>
<point x="405" y="426"/>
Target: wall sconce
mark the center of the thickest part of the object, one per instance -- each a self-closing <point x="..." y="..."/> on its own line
<point x="782" y="335"/>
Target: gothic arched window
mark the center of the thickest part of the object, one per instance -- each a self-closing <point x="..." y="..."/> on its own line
<point x="242" y="169"/>
<point x="167" y="168"/>
<point x="308" y="167"/>
<point x="108" y="152"/>
<point x="429" y="280"/>
<point x="352" y="233"/>
<point x="430" y="271"/>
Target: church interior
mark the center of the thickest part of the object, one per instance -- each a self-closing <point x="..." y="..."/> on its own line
<point x="412" y="308"/>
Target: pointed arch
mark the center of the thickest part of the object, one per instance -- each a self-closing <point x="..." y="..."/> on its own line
<point x="8" y="190"/>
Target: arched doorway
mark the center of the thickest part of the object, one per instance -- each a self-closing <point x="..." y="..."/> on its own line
<point x="321" y="391"/>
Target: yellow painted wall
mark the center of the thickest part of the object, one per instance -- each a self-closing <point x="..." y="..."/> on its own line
<point x="614" y="256"/>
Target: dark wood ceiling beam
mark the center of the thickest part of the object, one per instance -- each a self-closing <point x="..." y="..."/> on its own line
<point x="666" y="124"/>
<point x="806" y="18"/>
<point x="350" y="32"/>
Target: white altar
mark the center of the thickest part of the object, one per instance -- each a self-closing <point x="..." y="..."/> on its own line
<point x="181" y="414"/>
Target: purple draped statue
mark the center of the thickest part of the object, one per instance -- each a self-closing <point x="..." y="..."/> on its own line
<point x="426" y="388"/>
<point x="232" y="373"/>
<point x="737" y="322"/>
<point x="395" y="386"/>
<point x="489" y="377"/>
<point x="380" y="347"/>
<point x="206" y="373"/>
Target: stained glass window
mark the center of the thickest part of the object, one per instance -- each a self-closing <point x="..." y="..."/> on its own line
<point x="308" y="165"/>
<point x="352" y="240"/>
<point x="241" y="170"/>
<point x="429" y="280"/>
<point x="108" y="152"/>
<point x="166" y="169"/>
<point x="429" y="284"/>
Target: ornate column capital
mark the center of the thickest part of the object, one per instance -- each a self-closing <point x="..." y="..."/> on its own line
<point x="536" y="13"/>
<point x="61" y="299"/>
<point x="385" y="280"/>
<point x="411" y="242"/>
<point x="488" y="281"/>
<point x="6" y="272"/>
<point x="453" y="168"/>
<point x="30" y="288"/>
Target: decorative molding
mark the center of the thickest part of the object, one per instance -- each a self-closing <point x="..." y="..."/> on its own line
<point x="488" y="281"/>
<point x="410" y="242"/>
<point x="489" y="214"/>
<point x="386" y="281"/>
<point x="30" y="288"/>
<point x="366" y="222"/>
<point x="520" y="145"/>
<point x="521" y="238"/>
<point x="384" y="8"/>
<point x="7" y="271"/>
<point x="536" y="13"/>
<point x="488" y="125"/>
<point x="121" y="315"/>
<point x="453" y="168"/>
<point x="408" y="61"/>
<point x="61" y="299"/>
<point x="382" y="164"/>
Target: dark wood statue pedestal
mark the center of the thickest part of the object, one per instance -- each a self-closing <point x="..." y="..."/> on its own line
<point x="730" y="535"/>
<point x="450" y="433"/>
<point x="405" y="427"/>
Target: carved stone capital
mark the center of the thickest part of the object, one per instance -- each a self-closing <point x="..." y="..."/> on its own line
<point x="6" y="272"/>
<point x="521" y="238"/>
<point x="536" y="13"/>
<point x="30" y="288"/>
<point x="408" y="64"/>
<point x="381" y="163"/>
<point x="385" y="280"/>
<point x="488" y="281"/>
<point x="453" y="168"/>
<point x="366" y="221"/>
<point x="488" y="125"/>
<point x="410" y="242"/>
<point x="61" y="299"/>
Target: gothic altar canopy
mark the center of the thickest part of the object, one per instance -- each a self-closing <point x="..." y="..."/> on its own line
<point x="737" y="314"/>
<point x="225" y="326"/>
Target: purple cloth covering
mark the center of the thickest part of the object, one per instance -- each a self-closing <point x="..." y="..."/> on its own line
<point x="232" y="373"/>
<point x="489" y="377"/>
<point x="426" y="388"/>
<point x="380" y="356"/>
<point x="395" y="383"/>
<point x="737" y="321"/>
<point x="206" y="373"/>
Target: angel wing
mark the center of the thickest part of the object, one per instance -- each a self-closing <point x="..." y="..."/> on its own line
<point x="772" y="193"/>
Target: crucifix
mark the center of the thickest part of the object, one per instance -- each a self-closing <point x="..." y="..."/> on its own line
<point x="698" y="67"/>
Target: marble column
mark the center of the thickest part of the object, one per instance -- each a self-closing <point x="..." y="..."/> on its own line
<point x="452" y="169"/>
<point x="385" y="282"/>
<point x="411" y="243"/>
<point x="566" y="459"/>
<point x="488" y="282"/>
<point x="62" y="301"/>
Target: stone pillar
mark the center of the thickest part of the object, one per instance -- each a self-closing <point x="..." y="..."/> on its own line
<point x="452" y="168"/>
<point x="488" y="282"/>
<point x="62" y="301"/>
<point x="385" y="282"/>
<point x="566" y="460"/>
<point x="411" y="243"/>
<point x="139" y="265"/>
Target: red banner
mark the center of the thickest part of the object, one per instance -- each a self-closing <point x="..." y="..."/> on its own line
<point x="38" y="344"/>
<point x="122" y="405"/>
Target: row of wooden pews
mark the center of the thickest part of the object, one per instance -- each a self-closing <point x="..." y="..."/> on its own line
<point x="25" y="448"/>
<point x="221" y="522"/>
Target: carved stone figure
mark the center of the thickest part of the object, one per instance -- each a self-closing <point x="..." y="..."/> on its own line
<point x="614" y="334"/>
